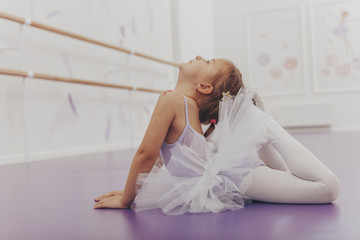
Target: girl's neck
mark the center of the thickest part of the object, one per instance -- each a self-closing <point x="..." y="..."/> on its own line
<point x="185" y="89"/>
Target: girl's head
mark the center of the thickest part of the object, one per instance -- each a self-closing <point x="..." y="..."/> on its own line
<point x="211" y="79"/>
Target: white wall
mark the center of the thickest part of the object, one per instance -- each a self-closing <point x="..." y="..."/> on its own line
<point x="230" y="40"/>
<point x="193" y="29"/>
<point x="41" y="119"/>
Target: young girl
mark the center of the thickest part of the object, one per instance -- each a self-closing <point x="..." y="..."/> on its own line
<point x="247" y="156"/>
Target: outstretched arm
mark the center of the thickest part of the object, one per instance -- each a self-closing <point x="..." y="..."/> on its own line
<point x="146" y="154"/>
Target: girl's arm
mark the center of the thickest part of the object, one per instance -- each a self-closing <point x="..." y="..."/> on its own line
<point x="148" y="150"/>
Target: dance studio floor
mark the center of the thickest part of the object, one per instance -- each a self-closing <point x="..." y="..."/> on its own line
<point x="53" y="200"/>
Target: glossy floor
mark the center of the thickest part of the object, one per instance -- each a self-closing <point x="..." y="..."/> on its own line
<point x="53" y="200"/>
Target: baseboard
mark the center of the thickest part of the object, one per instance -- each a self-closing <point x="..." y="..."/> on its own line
<point x="324" y="129"/>
<point x="69" y="152"/>
<point x="76" y="152"/>
<point x="301" y="130"/>
<point x="346" y="129"/>
<point x="12" y="159"/>
<point x="48" y="155"/>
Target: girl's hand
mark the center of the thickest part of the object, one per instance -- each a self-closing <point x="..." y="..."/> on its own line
<point x="110" y="194"/>
<point x="111" y="202"/>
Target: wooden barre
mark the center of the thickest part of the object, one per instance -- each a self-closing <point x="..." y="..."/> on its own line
<point x="19" y="73"/>
<point x="79" y="37"/>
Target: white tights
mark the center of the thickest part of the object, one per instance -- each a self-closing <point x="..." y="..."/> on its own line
<point x="292" y="175"/>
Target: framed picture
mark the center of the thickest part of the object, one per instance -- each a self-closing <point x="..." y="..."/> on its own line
<point x="276" y="51"/>
<point x="335" y="46"/>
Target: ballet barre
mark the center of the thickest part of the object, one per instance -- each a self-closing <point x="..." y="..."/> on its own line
<point x="29" y="74"/>
<point x="29" y="22"/>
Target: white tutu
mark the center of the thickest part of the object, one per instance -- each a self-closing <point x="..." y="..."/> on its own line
<point x="213" y="185"/>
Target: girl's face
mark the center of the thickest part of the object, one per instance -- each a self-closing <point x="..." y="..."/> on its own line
<point x="200" y="70"/>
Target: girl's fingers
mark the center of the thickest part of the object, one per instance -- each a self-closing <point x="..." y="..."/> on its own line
<point x="107" y="195"/>
<point x="111" y="202"/>
<point x="103" y="196"/>
<point x="98" y="199"/>
<point x="98" y="205"/>
<point x="110" y="194"/>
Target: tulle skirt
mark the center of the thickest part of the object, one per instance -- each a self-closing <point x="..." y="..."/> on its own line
<point x="218" y="183"/>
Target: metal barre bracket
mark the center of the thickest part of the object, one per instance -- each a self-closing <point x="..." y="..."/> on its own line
<point x="30" y="74"/>
<point x="27" y="21"/>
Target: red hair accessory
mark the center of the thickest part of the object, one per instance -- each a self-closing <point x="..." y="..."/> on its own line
<point x="213" y="121"/>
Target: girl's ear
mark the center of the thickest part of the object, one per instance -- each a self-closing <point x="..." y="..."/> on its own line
<point x="204" y="88"/>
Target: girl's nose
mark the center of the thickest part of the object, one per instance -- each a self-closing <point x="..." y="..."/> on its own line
<point x="198" y="58"/>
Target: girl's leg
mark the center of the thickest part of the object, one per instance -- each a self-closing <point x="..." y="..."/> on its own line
<point x="272" y="158"/>
<point x="308" y="179"/>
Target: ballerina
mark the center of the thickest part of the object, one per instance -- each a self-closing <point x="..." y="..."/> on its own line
<point x="244" y="154"/>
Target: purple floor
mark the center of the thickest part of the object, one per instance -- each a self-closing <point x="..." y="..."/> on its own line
<point x="53" y="200"/>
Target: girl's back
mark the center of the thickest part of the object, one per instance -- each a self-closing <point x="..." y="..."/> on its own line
<point x="190" y="144"/>
<point x="179" y="122"/>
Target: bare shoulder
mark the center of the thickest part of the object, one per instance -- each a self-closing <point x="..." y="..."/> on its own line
<point x="167" y="105"/>
<point x="171" y="98"/>
<point x="175" y="100"/>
